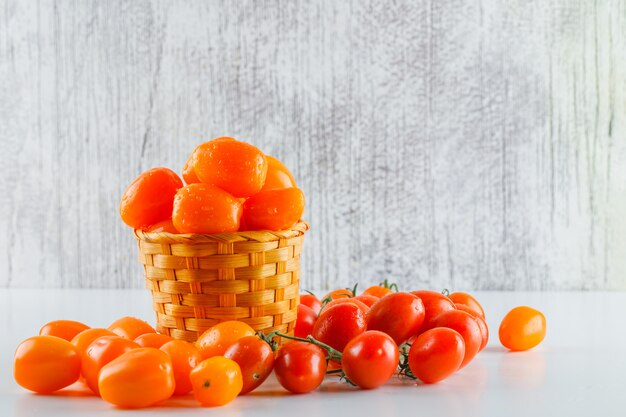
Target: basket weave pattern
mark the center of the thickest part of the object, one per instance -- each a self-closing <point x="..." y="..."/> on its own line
<point x="199" y="280"/>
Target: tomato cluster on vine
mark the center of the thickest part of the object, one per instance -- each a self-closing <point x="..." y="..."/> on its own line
<point x="366" y="339"/>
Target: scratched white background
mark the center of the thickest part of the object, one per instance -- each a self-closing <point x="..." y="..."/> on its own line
<point x="467" y="145"/>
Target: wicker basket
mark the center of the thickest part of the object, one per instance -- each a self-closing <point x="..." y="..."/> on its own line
<point x="198" y="280"/>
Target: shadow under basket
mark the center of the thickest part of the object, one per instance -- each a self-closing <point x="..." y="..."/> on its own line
<point x="200" y="280"/>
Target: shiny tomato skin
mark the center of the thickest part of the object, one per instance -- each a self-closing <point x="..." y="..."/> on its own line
<point x="185" y="356"/>
<point x="467" y="327"/>
<point x="367" y="299"/>
<point x="100" y="352"/>
<point x="203" y="208"/>
<point x="274" y="209"/>
<point x="216" y="381"/>
<point x="484" y="329"/>
<point x="305" y="321"/>
<point x="300" y="367"/>
<point x="360" y="304"/>
<point x="217" y="339"/>
<point x="45" y="364"/>
<point x="311" y="301"/>
<point x="436" y="354"/>
<point x="255" y="358"/>
<point x="384" y="316"/>
<point x="148" y="199"/>
<point x="339" y="324"/>
<point x="155" y="340"/>
<point x="165" y="226"/>
<point x="377" y="291"/>
<point x="65" y="329"/>
<point x="435" y="303"/>
<point x="238" y="168"/>
<point x="370" y="359"/>
<point x="138" y="378"/>
<point x="278" y="176"/>
<point x="130" y="327"/>
<point x="522" y="328"/>
<point x="468" y="300"/>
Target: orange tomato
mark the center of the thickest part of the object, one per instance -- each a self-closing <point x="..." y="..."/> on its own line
<point x="236" y="167"/>
<point x="202" y="208"/>
<point x="215" y="341"/>
<point x="155" y="340"/>
<point x="130" y="327"/>
<point x="367" y="299"/>
<point x="360" y="304"/>
<point x="216" y="381"/>
<point x="522" y="328"/>
<point x="185" y="356"/>
<point x="274" y="209"/>
<point x="83" y="339"/>
<point x="339" y="293"/>
<point x="189" y="175"/>
<point x="278" y="176"/>
<point x="377" y="291"/>
<point x="148" y="199"/>
<point x="65" y="329"/>
<point x="468" y="300"/>
<point x="100" y="352"/>
<point x="166" y="226"/>
<point x="45" y="364"/>
<point x="138" y="378"/>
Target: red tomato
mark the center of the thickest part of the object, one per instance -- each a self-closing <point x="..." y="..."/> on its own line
<point x="130" y="327"/>
<point x="399" y="314"/>
<point x="185" y="357"/>
<point x="436" y="354"/>
<point x="370" y="359"/>
<point x="149" y="198"/>
<point x="255" y="358"/>
<point x="311" y="301"/>
<point x="155" y="340"/>
<point x="45" y="364"/>
<point x="305" y="321"/>
<point x="339" y="324"/>
<point x="300" y="366"/>
<point x="468" y="300"/>
<point x="65" y="329"/>
<point x="484" y="330"/>
<point x="203" y="208"/>
<point x="467" y="327"/>
<point x="435" y="303"/>
<point x="236" y="167"/>
<point x="361" y="305"/>
<point x="522" y="328"/>
<point x="278" y="176"/>
<point x="138" y="378"/>
<point x="274" y="209"/>
<point x="100" y="352"/>
<point x="367" y="299"/>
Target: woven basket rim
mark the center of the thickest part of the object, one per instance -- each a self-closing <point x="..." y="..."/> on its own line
<point x="255" y="235"/>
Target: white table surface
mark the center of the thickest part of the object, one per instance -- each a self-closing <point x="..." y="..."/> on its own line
<point x="579" y="369"/>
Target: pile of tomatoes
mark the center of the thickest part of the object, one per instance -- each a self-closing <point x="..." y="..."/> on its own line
<point x="230" y="186"/>
<point x="365" y="339"/>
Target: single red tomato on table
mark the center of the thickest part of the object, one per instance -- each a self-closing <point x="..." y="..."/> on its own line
<point x="339" y="324"/>
<point x="436" y="354"/>
<point x="300" y="367"/>
<point x="370" y="359"/>
<point x="255" y="358"/>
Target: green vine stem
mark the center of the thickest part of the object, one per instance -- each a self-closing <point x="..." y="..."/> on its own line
<point x="403" y="366"/>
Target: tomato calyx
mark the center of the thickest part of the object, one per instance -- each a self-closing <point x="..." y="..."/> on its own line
<point x="385" y="284"/>
<point x="403" y="365"/>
